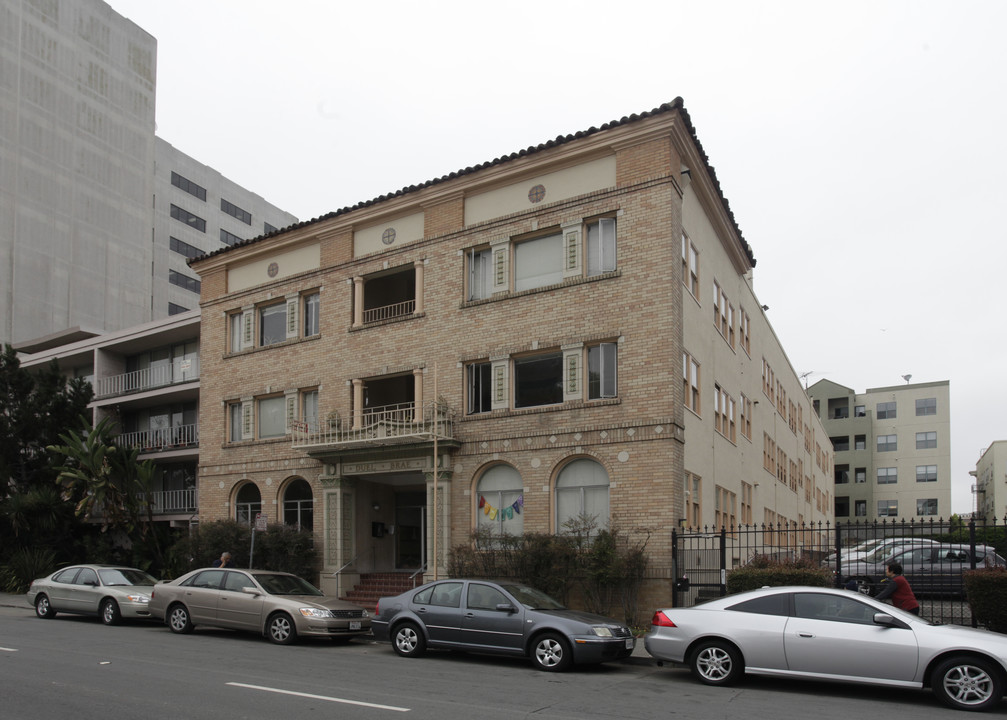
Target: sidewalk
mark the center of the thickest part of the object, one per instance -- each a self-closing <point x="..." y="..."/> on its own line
<point x="9" y="600"/>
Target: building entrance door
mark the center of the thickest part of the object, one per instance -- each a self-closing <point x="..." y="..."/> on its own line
<point x="410" y="529"/>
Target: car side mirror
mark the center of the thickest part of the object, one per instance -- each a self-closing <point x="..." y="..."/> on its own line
<point x="887" y="620"/>
<point x="250" y="590"/>
<point x="506" y="607"/>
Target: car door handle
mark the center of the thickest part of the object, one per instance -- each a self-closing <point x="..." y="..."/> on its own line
<point x="806" y="634"/>
<point x="420" y="611"/>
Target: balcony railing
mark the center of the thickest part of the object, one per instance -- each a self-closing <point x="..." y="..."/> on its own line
<point x="387" y="425"/>
<point x="158" y="439"/>
<point x="180" y="371"/>
<point x="390" y="311"/>
<point x="173" y="501"/>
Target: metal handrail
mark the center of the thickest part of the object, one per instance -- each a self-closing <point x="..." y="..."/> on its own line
<point x="423" y="568"/>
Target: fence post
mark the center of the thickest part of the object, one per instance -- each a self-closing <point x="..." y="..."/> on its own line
<point x="839" y="554"/>
<point x="674" y="567"/>
<point x="723" y="561"/>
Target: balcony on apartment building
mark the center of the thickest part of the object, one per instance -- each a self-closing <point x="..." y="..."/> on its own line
<point x="157" y="375"/>
<point x="160" y="439"/>
<point x="170" y="502"/>
<point x="383" y="426"/>
<point x="388" y="295"/>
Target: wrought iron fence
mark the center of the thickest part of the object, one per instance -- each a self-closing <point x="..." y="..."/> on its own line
<point x="853" y="551"/>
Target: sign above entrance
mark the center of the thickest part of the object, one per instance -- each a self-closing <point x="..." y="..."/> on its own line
<point x="384" y="466"/>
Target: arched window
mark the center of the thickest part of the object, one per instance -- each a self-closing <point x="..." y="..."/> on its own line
<point x="298" y="505"/>
<point x="248" y="504"/>
<point x="582" y="495"/>
<point x="500" y="501"/>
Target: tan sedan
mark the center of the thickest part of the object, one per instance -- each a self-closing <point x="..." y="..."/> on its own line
<point x="278" y="605"/>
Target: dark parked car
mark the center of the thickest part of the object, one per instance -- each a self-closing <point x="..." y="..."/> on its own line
<point x="498" y="617"/>
<point x="930" y="569"/>
<point x="278" y="605"/>
<point x="108" y="591"/>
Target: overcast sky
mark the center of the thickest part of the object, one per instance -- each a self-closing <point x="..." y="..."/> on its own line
<point x="861" y="145"/>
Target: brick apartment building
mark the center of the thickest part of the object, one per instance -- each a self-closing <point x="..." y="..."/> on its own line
<point x="541" y="323"/>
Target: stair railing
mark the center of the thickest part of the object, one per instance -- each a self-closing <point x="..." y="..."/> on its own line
<point x="423" y="569"/>
<point x="336" y="575"/>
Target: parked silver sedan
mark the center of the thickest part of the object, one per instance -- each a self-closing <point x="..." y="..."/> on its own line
<point x="503" y="618"/>
<point x="109" y="591"/>
<point x="829" y="634"/>
<point x="278" y="605"/>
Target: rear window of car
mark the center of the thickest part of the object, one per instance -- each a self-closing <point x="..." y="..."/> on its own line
<point x="778" y="604"/>
<point x="66" y="576"/>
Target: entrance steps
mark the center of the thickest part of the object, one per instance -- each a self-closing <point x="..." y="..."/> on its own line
<point x="374" y="586"/>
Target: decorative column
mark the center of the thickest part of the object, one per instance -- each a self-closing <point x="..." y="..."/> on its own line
<point x="417" y="395"/>
<point x="418" y="265"/>
<point x="438" y="502"/>
<point x="358" y="403"/>
<point x="339" y="529"/>
<point x="358" y="301"/>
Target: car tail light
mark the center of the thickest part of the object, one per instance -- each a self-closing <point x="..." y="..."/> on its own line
<point x="661" y="620"/>
<point x="377" y="608"/>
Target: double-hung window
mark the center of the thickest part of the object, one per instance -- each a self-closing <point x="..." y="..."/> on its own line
<point x="272" y="417"/>
<point x="480" y="274"/>
<point x="538" y="262"/>
<point x="480" y="383"/>
<point x="272" y="324"/>
<point x="538" y="380"/>
<point x="601" y="246"/>
<point x="926" y="440"/>
<point x="312" y="304"/>
<point x="602" y="370"/>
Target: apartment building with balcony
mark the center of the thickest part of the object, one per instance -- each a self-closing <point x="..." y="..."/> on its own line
<point x="567" y="331"/>
<point x="146" y="378"/>
<point x="990" y="483"/>
<point x="892" y="449"/>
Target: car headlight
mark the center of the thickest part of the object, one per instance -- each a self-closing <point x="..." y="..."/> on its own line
<point x="138" y="598"/>
<point x="315" y="612"/>
<point x="602" y="631"/>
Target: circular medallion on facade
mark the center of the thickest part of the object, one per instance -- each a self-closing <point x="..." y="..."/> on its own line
<point x="536" y="194"/>
<point x="388" y="236"/>
<point x="273" y="269"/>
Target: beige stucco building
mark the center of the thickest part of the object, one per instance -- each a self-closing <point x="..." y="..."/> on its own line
<point x="892" y="449"/>
<point x="990" y="486"/>
<point x="570" y="330"/>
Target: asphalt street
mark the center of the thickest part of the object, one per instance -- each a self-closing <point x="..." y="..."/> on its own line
<point x="76" y="667"/>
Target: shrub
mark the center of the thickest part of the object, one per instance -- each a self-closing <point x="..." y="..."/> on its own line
<point x="25" y="565"/>
<point x="985" y="590"/>
<point x="279" y="548"/>
<point x="763" y="570"/>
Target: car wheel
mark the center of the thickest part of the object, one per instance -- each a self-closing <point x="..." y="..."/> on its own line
<point x="110" y="614"/>
<point x="716" y="662"/>
<point x="551" y="653"/>
<point x="866" y="586"/>
<point x="280" y="629"/>
<point x="179" y="620"/>
<point x="408" y="640"/>
<point x="43" y="608"/>
<point x="967" y="683"/>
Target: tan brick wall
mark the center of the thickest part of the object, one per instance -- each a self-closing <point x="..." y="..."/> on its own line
<point x="444" y="217"/>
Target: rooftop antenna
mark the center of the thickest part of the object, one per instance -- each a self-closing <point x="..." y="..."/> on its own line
<point x="907" y="377"/>
<point x="804" y="377"/>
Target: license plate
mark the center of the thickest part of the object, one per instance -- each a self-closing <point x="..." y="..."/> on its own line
<point x="629" y="644"/>
<point x="354" y="626"/>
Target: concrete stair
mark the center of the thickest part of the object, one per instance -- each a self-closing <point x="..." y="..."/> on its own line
<point x="374" y="586"/>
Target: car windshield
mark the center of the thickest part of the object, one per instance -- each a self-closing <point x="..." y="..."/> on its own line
<point x="125" y="576"/>
<point x="531" y="598"/>
<point x="286" y="585"/>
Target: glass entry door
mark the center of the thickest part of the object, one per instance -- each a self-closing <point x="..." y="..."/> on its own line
<point x="410" y="529"/>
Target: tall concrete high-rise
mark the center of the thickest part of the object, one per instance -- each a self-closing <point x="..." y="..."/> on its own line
<point x="85" y="186"/>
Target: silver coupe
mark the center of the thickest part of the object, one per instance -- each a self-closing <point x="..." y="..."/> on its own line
<point x="828" y="634"/>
